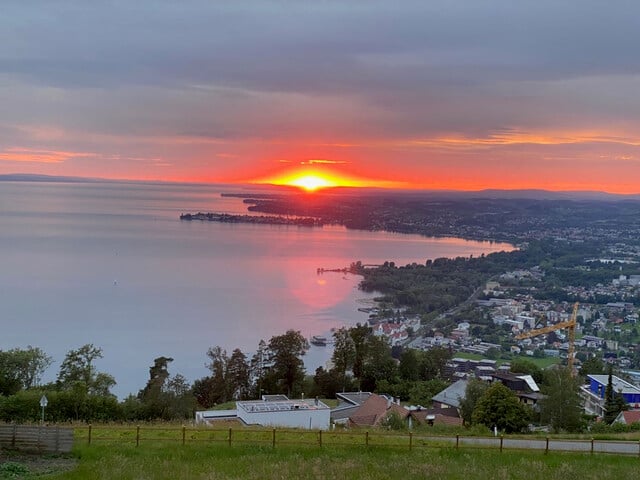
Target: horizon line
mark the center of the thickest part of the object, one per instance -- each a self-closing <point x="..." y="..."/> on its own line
<point x="36" y="177"/>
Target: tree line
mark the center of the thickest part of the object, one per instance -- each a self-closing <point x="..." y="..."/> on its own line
<point x="82" y="393"/>
<point x="360" y="361"/>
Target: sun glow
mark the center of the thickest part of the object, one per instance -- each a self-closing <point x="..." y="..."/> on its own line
<point x="311" y="182"/>
<point x="322" y="177"/>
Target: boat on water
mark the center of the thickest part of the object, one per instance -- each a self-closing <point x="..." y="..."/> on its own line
<point x="318" y="341"/>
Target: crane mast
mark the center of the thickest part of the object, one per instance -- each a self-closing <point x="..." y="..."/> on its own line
<point x="570" y="325"/>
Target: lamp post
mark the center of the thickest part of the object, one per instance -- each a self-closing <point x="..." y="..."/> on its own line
<point x="43" y="403"/>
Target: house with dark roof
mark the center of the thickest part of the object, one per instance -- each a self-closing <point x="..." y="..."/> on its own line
<point x="450" y="397"/>
<point x="524" y="386"/>
<point x="436" y="416"/>
<point x="375" y="410"/>
<point x="348" y="404"/>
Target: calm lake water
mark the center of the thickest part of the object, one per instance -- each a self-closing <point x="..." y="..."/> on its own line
<point x="111" y="264"/>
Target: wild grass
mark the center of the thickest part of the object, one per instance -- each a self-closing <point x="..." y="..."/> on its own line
<point x="214" y="461"/>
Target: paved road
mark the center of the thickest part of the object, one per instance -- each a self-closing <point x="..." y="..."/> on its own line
<point x="554" y="445"/>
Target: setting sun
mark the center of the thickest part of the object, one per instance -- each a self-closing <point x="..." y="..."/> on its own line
<point x="311" y="182"/>
<point x="320" y="177"/>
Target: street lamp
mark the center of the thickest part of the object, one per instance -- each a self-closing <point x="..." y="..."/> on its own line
<point x="43" y="403"/>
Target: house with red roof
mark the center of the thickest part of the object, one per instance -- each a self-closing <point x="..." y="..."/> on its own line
<point x="627" y="417"/>
<point x="374" y="410"/>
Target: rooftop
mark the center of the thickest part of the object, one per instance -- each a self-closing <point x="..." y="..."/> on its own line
<point x="259" y="406"/>
<point x="619" y="385"/>
<point x="452" y="394"/>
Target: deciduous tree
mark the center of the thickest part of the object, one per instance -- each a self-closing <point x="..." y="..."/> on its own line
<point x="561" y="408"/>
<point x="21" y="369"/>
<point x="287" y="369"/>
<point x="344" y="354"/>
<point x="474" y="391"/>
<point x="500" y="407"/>
<point x="78" y="372"/>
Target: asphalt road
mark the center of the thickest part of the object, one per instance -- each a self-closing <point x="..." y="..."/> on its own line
<point x="553" y="445"/>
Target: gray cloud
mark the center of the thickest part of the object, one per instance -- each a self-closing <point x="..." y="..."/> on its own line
<point x="331" y="69"/>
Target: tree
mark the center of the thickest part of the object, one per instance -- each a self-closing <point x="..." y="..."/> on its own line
<point x="500" y="407"/>
<point x="592" y="366"/>
<point x="327" y="383"/>
<point x="205" y="393"/>
<point x="238" y="376"/>
<point x="287" y="370"/>
<point x="165" y="397"/>
<point x="344" y="354"/>
<point x="180" y="399"/>
<point x="409" y="367"/>
<point x="21" y="369"/>
<point x="610" y="406"/>
<point x="561" y="408"/>
<point x="433" y="363"/>
<point x="422" y="392"/>
<point x="527" y="367"/>
<point x="158" y="375"/>
<point x="154" y="404"/>
<point x="218" y="365"/>
<point x="359" y="334"/>
<point x="78" y="372"/>
<point x="614" y="402"/>
<point x="474" y="391"/>
<point x="378" y="365"/>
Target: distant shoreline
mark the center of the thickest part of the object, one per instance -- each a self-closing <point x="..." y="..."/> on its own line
<point x="483" y="193"/>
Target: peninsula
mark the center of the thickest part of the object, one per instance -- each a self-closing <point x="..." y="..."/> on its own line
<point x="261" y="219"/>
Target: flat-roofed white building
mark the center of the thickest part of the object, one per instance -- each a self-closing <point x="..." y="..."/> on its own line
<point x="311" y="414"/>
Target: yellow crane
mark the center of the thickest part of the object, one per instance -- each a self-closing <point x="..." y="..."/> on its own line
<point x="570" y="325"/>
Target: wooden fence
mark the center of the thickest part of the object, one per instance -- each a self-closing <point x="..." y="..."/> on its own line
<point x="136" y="435"/>
<point x="49" y="439"/>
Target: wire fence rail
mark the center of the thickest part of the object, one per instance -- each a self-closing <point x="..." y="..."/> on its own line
<point x="137" y="435"/>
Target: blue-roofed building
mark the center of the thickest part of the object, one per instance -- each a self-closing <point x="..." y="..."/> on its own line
<point x="594" y="392"/>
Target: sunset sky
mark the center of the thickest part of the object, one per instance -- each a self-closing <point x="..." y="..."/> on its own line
<point x="415" y="94"/>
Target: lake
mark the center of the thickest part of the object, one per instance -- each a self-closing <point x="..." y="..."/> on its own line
<point x="111" y="264"/>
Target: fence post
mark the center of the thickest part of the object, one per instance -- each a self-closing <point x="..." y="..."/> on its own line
<point x="546" y="448"/>
<point x="230" y="431"/>
<point x="184" y="434"/>
<point x="410" y="440"/>
<point x="457" y="441"/>
<point x="501" y="440"/>
<point x="639" y="448"/>
<point x="273" y="439"/>
<point x="138" y="436"/>
<point x="366" y="438"/>
<point x="89" y="435"/>
<point x="57" y="438"/>
<point x="591" y="445"/>
<point x="320" y="438"/>
<point x="13" y="436"/>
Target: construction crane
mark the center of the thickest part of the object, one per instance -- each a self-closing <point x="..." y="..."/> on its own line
<point x="570" y="325"/>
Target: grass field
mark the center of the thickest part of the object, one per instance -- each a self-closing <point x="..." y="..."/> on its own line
<point x="540" y="362"/>
<point x="206" y="461"/>
<point x="169" y="451"/>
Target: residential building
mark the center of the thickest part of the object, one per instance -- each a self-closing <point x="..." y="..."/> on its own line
<point x="627" y="417"/>
<point x="594" y="393"/>
<point x="375" y="410"/>
<point x="348" y="404"/>
<point x="450" y="397"/>
<point x="436" y="416"/>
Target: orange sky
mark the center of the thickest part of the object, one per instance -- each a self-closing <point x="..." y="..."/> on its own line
<point x="430" y="96"/>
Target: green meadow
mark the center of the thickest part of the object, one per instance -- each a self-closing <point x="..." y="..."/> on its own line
<point x="247" y="462"/>
<point x="175" y="452"/>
